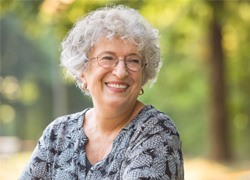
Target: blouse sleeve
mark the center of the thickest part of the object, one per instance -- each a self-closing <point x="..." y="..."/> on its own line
<point x="38" y="166"/>
<point x="156" y="156"/>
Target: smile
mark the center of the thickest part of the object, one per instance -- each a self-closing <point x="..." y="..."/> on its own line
<point x="117" y="86"/>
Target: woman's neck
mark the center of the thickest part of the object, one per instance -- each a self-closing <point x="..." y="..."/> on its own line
<point x="105" y="120"/>
<point x="102" y="128"/>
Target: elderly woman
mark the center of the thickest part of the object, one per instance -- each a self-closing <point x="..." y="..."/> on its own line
<point x="112" y="53"/>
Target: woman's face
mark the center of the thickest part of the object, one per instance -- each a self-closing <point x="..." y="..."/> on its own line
<point x="116" y="86"/>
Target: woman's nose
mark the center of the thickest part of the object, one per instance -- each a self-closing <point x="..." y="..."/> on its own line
<point x="120" y="70"/>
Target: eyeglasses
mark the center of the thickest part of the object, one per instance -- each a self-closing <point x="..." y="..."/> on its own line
<point x="110" y="60"/>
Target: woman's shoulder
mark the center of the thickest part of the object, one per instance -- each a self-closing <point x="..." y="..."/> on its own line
<point x="151" y="118"/>
<point x="150" y="113"/>
<point x="67" y="122"/>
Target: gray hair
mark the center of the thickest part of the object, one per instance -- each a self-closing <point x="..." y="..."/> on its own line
<point x="108" y="22"/>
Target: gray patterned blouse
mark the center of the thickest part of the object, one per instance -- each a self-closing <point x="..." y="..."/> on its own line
<point x="149" y="147"/>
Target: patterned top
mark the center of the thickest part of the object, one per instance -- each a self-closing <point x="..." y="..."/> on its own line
<point x="149" y="147"/>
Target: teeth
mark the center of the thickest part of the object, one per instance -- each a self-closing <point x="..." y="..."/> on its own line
<point x="120" y="86"/>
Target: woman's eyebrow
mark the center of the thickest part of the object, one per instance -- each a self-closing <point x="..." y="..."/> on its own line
<point x="113" y="53"/>
<point x="134" y="54"/>
<point x="108" y="52"/>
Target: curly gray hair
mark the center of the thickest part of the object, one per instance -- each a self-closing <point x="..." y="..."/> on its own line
<point x="108" y="22"/>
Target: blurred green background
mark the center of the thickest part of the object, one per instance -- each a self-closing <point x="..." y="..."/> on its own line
<point x="204" y="84"/>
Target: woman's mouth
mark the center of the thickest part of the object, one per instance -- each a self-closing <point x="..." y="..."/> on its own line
<point x="118" y="86"/>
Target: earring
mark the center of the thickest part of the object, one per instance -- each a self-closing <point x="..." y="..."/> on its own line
<point x="84" y="86"/>
<point x="141" y="92"/>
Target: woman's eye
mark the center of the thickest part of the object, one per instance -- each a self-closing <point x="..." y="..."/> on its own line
<point x="110" y="58"/>
<point x="134" y="61"/>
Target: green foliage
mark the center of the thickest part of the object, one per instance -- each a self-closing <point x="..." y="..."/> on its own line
<point x="31" y="32"/>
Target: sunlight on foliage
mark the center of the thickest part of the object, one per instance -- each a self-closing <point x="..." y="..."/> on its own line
<point x="30" y="92"/>
<point x="8" y="113"/>
<point x="241" y="121"/>
<point x="244" y="11"/>
<point x="52" y="7"/>
<point x="10" y="88"/>
<point x="230" y="40"/>
<point x="162" y="13"/>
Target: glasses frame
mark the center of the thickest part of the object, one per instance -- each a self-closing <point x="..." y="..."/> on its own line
<point x="117" y="61"/>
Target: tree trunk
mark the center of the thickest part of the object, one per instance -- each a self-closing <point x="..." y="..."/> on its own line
<point x="219" y="134"/>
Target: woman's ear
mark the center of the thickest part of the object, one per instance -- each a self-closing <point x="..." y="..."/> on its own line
<point x="82" y="77"/>
<point x="84" y="84"/>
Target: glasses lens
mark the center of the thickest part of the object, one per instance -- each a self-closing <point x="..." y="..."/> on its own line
<point x="106" y="60"/>
<point x="134" y="63"/>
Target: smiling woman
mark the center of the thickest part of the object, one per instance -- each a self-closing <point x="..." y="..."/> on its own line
<point x="112" y="53"/>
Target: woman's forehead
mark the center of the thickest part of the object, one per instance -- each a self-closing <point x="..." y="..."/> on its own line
<point x="116" y="44"/>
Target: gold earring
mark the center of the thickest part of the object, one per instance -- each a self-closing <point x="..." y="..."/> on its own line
<point x="141" y="92"/>
<point x="84" y="86"/>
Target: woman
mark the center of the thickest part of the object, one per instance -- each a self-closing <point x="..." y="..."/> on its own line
<point x="112" y="53"/>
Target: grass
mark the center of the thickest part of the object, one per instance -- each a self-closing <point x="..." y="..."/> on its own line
<point x="195" y="168"/>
